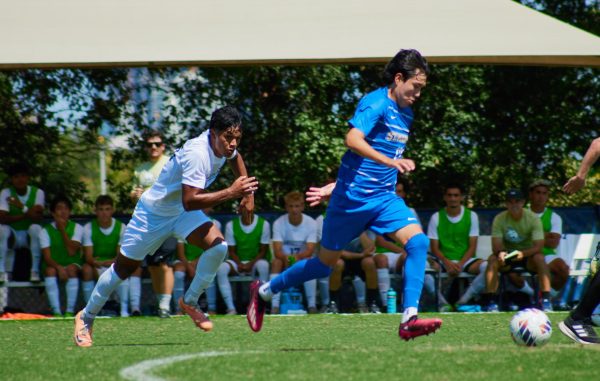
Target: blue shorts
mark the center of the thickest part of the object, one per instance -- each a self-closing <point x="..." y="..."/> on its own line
<point x="347" y="217"/>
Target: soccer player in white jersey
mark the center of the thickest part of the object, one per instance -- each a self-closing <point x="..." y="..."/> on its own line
<point x="172" y="206"/>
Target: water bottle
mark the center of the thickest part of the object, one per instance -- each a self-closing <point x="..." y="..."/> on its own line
<point x="391" y="301"/>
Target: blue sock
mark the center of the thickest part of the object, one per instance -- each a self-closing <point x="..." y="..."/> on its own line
<point x="299" y="273"/>
<point x="414" y="269"/>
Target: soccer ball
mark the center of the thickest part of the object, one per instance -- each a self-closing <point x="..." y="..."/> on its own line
<point x="530" y="327"/>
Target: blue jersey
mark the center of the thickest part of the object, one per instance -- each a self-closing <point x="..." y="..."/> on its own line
<point x="386" y="128"/>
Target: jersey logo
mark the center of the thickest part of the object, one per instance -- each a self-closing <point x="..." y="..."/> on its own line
<point x="396" y="137"/>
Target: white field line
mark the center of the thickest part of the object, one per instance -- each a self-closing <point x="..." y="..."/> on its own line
<point x="142" y="371"/>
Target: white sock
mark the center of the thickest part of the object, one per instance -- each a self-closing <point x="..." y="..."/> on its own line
<point x="527" y="289"/>
<point x="383" y="281"/>
<point x="135" y="292"/>
<point x="107" y="284"/>
<point x="274" y="297"/>
<point x="4" y="234"/>
<point x="429" y="284"/>
<point x="206" y="269"/>
<point x="52" y="293"/>
<point x="211" y="296"/>
<point x="225" y="285"/>
<point x="178" y="287"/>
<point x="261" y="267"/>
<point x="72" y="291"/>
<point x="476" y="287"/>
<point x="408" y="313"/>
<point x="360" y="289"/>
<point x="265" y="290"/>
<point x="123" y="292"/>
<point x="164" y="301"/>
<point x="34" y="246"/>
<point x="324" y="290"/>
<point x="310" y="289"/>
<point x="3" y="298"/>
<point x="87" y="287"/>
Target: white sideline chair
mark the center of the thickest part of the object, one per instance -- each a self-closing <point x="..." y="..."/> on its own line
<point x="579" y="249"/>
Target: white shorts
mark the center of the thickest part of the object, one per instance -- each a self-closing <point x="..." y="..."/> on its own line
<point x="234" y="266"/>
<point x="146" y="231"/>
<point x="392" y="260"/>
<point x="551" y="257"/>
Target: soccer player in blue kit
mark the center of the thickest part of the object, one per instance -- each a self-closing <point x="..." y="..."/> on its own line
<point x="363" y="196"/>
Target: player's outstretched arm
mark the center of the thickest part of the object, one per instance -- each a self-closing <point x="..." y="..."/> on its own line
<point x="316" y="195"/>
<point x="577" y="182"/>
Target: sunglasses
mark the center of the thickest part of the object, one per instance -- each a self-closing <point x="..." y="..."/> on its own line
<point x="154" y="144"/>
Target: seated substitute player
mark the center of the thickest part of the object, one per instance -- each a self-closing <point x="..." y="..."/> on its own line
<point x="60" y="242"/>
<point x="173" y="206"/>
<point x="101" y="244"/>
<point x="294" y="239"/>
<point x="516" y="230"/>
<point x="248" y="239"/>
<point x="21" y="211"/>
<point x="363" y="196"/>
<point x="357" y="260"/>
<point x="453" y="233"/>
<point x="539" y="192"/>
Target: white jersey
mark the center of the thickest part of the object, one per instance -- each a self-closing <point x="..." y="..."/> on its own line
<point x="319" y="222"/>
<point x="194" y="164"/>
<point x="45" y="238"/>
<point x="294" y="238"/>
<point x="432" y="228"/>
<point x="87" y="232"/>
<point x="5" y="194"/>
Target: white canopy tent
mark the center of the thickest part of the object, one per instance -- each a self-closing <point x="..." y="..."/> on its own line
<point x="108" y="33"/>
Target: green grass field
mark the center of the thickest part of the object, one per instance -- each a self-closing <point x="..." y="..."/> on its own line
<point x="321" y="347"/>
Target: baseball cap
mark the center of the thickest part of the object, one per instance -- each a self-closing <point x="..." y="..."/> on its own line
<point x="539" y="182"/>
<point x="514" y="193"/>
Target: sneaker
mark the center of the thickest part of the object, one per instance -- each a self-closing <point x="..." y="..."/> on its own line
<point x="312" y="310"/>
<point x="34" y="276"/>
<point x="198" y="317"/>
<point x="330" y="308"/>
<point x="415" y="327"/>
<point x="546" y="305"/>
<point x="136" y="313"/>
<point x="374" y="308"/>
<point x="580" y="331"/>
<point x="362" y="308"/>
<point x="512" y="307"/>
<point x="274" y="310"/>
<point x="163" y="313"/>
<point x="256" y="307"/>
<point x="492" y="307"/>
<point x="562" y="306"/>
<point x="231" y="312"/>
<point x="83" y="332"/>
